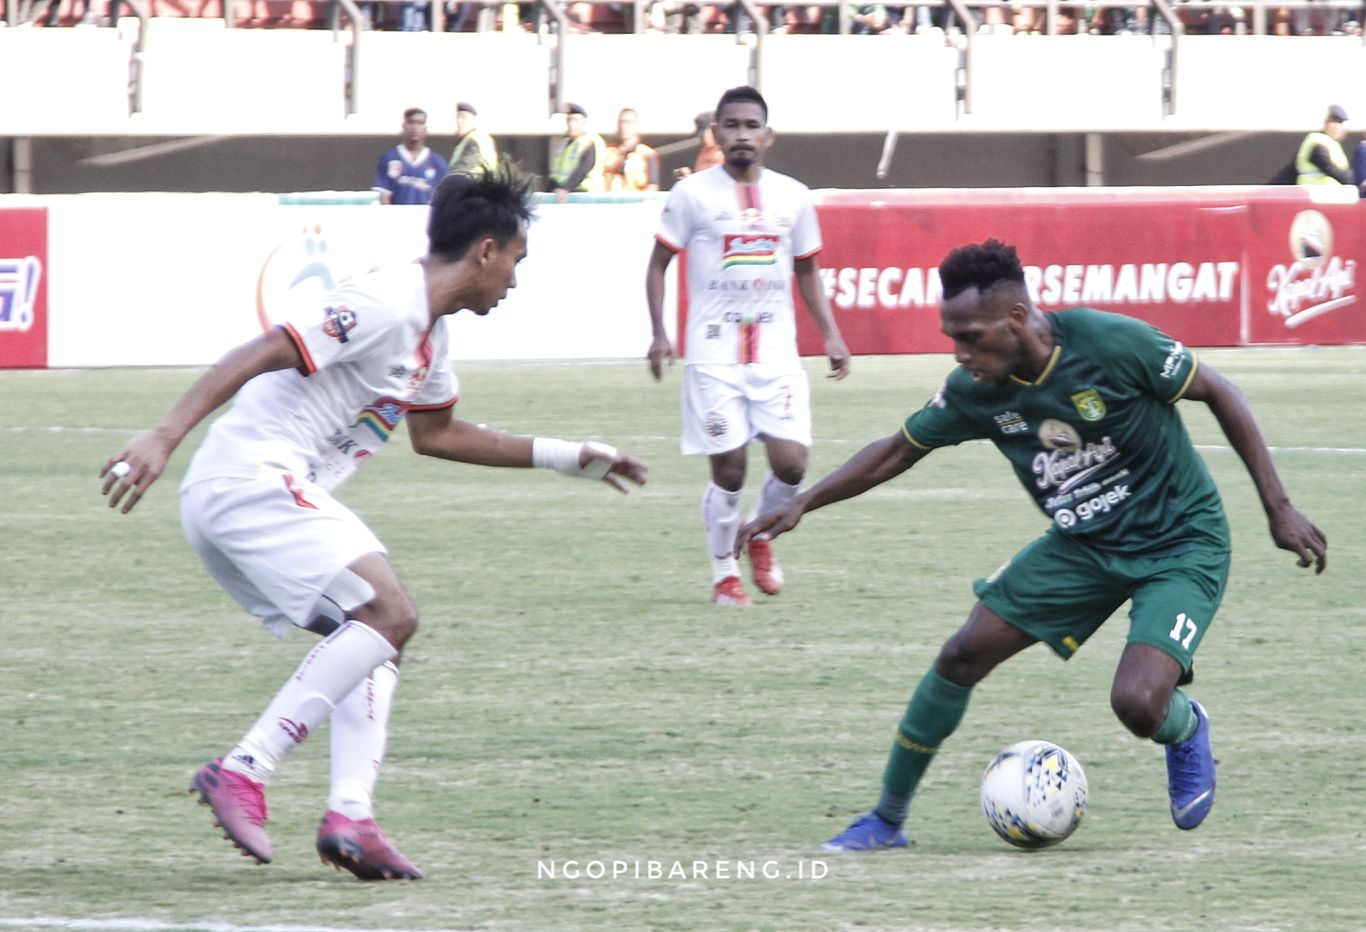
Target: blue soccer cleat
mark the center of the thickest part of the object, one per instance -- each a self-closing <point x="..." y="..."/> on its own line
<point x="1190" y="774"/>
<point x="868" y="833"/>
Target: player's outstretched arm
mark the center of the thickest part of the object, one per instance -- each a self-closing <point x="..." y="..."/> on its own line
<point x="437" y="433"/>
<point x="660" y="347"/>
<point x="876" y="463"/>
<point x="1290" y="529"/>
<point x="141" y="461"/>
<point x="807" y="273"/>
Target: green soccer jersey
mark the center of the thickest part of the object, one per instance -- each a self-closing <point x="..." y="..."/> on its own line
<point x="1096" y="439"/>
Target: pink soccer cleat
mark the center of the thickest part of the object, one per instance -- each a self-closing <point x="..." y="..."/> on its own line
<point x="768" y="575"/>
<point x="239" y="808"/>
<point x="364" y="850"/>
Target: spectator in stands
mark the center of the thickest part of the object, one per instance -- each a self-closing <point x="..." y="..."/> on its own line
<point x="580" y="164"/>
<point x="1321" y="159"/>
<point x="1359" y="166"/>
<point x="474" y="148"/>
<point x="869" y="20"/>
<point x="413" y="16"/>
<point x="409" y="173"/>
<point x="631" y="164"/>
<point x="708" y="152"/>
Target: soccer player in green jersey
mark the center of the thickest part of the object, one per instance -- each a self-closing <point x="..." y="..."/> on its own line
<point x="1082" y="403"/>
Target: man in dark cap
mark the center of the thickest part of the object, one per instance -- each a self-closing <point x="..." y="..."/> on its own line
<point x="1321" y="159"/>
<point x="580" y="164"/>
<point x="474" y="148"/>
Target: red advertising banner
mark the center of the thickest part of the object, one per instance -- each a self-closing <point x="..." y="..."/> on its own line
<point x="23" y="288"/>
<point x="1210" y="266"/>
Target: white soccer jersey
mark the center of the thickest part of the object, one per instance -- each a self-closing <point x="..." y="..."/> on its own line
<point x="741" y="240"/>
<point x="368" y="360"/>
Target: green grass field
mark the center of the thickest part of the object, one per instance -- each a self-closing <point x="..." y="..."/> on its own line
<point x="573" y="703"/>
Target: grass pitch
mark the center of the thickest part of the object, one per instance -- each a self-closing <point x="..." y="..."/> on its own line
<point x="573" y="708"/>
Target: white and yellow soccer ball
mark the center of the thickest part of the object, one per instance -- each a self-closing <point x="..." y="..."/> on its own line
<point x="1034" y="794"/>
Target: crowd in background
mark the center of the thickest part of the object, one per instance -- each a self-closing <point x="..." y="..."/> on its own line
<point x="682" y="16"/>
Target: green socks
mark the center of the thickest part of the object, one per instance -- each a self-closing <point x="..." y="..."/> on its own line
<point x="935" y="709"/>
<point x="1180" y="722"/>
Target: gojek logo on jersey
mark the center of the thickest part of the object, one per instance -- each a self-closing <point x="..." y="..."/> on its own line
<point x="1317" y="281"/>
<point x="748" y="249"/>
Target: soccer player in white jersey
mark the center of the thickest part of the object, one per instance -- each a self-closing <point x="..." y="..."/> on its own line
<point x="312" y="403"/>
<point x="748" y="231"/>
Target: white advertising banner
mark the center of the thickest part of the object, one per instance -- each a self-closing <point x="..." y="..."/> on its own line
<point x="174" y="280"/>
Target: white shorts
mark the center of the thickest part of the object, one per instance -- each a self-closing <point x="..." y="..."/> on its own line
<point x="725" y="407"/>
<point x="274" y="543"/>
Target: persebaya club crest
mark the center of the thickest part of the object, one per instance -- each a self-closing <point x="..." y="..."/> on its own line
<point x="1089" y="405"/>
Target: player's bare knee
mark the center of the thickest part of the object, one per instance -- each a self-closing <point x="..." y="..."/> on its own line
<point x="790" y="473"/>
<point x="1139" y="709"/>
<point x="958" y="663"/>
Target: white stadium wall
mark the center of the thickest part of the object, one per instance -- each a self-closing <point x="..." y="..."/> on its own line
<point x="200" y="77"/>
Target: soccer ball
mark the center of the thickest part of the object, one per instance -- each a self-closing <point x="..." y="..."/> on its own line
<point x="1034" y="794"/>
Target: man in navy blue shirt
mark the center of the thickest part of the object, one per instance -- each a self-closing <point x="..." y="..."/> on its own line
<point x="409" y="173"/>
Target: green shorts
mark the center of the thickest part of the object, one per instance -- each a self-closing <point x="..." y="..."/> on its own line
<point x="1061" y="591"/>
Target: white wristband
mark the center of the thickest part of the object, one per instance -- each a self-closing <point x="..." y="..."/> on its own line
<point x="563" y="457"/>
<point x="559" y="455"/>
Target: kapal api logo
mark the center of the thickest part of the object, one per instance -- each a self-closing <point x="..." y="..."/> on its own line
<point x="1316" y="281"/>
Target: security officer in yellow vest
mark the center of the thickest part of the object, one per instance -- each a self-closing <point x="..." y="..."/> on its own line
<point x="581" y="161"/>
<point x="1321" y="159"/>
<point x="474" y="148"/>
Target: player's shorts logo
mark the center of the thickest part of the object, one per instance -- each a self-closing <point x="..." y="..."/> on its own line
<point x="1089" y="405"/>
<point x="716" y="425"/>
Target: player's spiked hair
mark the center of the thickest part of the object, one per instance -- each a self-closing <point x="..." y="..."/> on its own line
<point x="980" y="266"/>
<point x="494" y="201"/>
<point x="744" y="94"/>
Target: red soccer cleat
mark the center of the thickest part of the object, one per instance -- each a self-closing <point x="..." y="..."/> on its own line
<point x="364" y="850"/>
<point x="239" y="808"/>
<point x="729" y="591"/>
<point x="768" y="575"/>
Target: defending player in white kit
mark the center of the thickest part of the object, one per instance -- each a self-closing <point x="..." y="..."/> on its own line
<point x="748" y="231"/>
<point x="312" y="403"/>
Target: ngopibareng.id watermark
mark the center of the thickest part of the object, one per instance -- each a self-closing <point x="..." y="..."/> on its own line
<point x="694" y="869"/>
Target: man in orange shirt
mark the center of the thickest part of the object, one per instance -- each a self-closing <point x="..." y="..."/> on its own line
<point x="631" y="164"/>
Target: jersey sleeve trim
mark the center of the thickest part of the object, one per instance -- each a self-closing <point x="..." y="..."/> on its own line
<point x="659" y="238"/>
<point x="809" y="253"/>
<point x="1185" y="386"/>
<point x="905" y="432"/>
<point x="307" y="367"/>
<point x="436" y="407"/>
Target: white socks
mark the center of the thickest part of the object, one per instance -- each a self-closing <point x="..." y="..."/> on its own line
<point x="774" y="494"/>
<point x="329" y="672"/>
<point x="721" y="518"/>
<point x="360" y="727"/>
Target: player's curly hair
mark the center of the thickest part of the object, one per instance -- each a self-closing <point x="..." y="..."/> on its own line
<point x="744" y="94"/>
<point x="980" y="266"/>
<point x="493" y="201"/>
